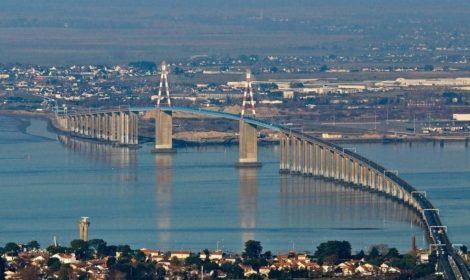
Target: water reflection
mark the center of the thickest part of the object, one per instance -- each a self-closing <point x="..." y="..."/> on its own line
<point x="309" y="201"/>
<point x="164" y="183"/>
<point x="248" y="202"/>
<point x="123" y="158"/>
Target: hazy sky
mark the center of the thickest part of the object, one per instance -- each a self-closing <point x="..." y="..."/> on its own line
<point x="64" y="31"/>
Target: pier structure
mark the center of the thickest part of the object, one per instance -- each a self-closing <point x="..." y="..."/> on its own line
<point x="115" y="125"/>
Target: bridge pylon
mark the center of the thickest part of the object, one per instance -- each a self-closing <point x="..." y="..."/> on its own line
<point x="163" y="119"/>
<point x="164" y="86"/>
<point x="248" y="134"/>
<point x="248" y="93"/>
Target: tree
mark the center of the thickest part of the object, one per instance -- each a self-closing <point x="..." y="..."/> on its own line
<point x="193" y="259"/>
<point x="464" y="249"/>
<point x="234" y="271"/>
<point x="95" y="243"/>
<point x="32" y="245"/>
<point x="360" y="255"/>
<point x="393" y="253"/>
<point x="382" y="249"/>
<point x="373" y="253"/>
<point x="144" y="65"/>
<point x="161" y="272"/>
<point x="253" y="249"/>
<point x="323" y="68"/>
<point x="12" y="247"/>
<point x="80" y="248"/>
<point x="206" y="253"/>
<point x="178" y="71"/>
<point x="78" y="244"/>
<point x="428" y="67"/>
<point x="174" y="261"/>
<point x="2" y="268"/>
<point x="407" y="262"/>
<point x="111" y="262"/>
<point x="56" y="249"/>
<point x="342" y="249"/>
<point x="330" y="260"/>
<point x="53" y="264"/>
<point x="267" y="255"/>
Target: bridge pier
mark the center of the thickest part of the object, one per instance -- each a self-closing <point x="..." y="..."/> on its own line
<point x="163" y="132"/>
<point x="284" y="147"/>
<point x="118" y="127"/>
<point x="248" y="146"/>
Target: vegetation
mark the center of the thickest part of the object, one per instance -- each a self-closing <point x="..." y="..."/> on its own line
<point x="125" y="263"/>
<point x="332" y="251"/>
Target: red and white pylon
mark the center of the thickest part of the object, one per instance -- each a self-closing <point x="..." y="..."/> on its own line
<point x="248" y="91"/>
<point x="164" y="86"/>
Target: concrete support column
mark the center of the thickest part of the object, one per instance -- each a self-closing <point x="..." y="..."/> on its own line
<point x="353" y="172"/>
<point x="82" y="125"/>
<point x="282" y="152"/>
<point x="387" y="187"/>
<point x="331" y="164"/>
<point x="122" y="128"/>
<point x="134" y="129"/>
<point x="356" y="173"/>
<point x="317" y="160"/>
<point x="87" y="125"/>
<point x="362" y="175"/>
<point x="72" y="124"/>
<point x="287" y="153"/>
<point x="305" y="157"/>
<point x="328" y="164"/>
<point x="380" y="182"/>
<point x="294" y="154"/>
<point x="114" y="126"/>
<point x="99" y="126"/>
<point x="299" y="156"/>
<point x="96" y="126"/>
<point x="338" y="165"/>
<point x="322" y="162"/>
<point x="343" y="168"/>
<point x="107" y="127"/>
<point x="93" y="126"/>
<point x="164" y="132"/>
<point x="311" y="159"/>
<point x="248" y="146"/>
<point x="103" y="128"/>
<point x="127" y="132"/>
<point x="110" y="123"/>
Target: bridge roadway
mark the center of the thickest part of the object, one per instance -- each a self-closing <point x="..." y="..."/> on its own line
<point x="448" y="258"/>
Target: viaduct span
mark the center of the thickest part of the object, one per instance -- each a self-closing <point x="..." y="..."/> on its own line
<point x="300" y="154"/>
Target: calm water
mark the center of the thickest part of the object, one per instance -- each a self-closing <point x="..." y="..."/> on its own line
<point x="196" y="197"/>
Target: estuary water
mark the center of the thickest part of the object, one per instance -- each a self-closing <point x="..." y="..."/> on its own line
<point x="196" y="199"/>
